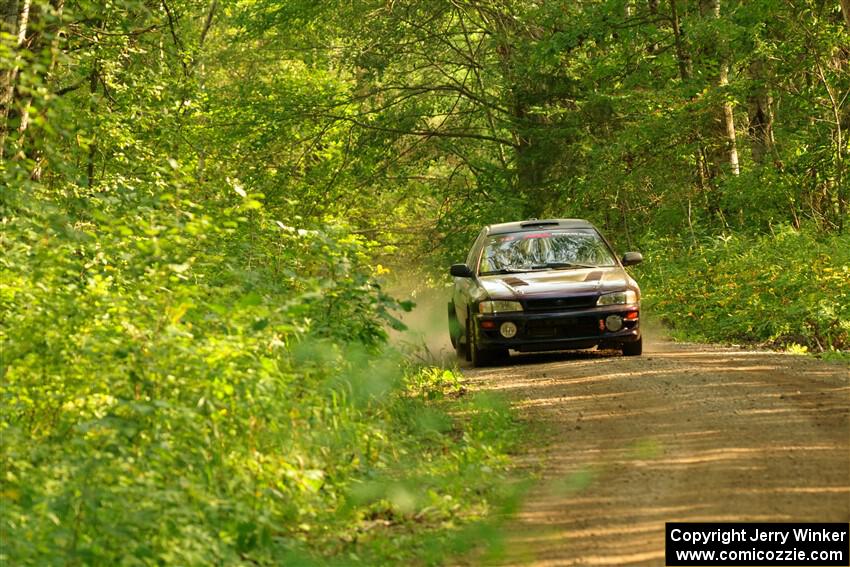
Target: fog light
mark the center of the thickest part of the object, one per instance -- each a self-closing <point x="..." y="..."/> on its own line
<point x="614" y="323"/>
<point x="488" y="324"/>
<point x="632" y="316"/>
<point x="508" y="330"/>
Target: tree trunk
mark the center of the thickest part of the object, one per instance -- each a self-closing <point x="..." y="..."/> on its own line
<point x="760" y="113"/>
<point x="202" y="154"/>
<point x="682" y="56"/>
<point x="728" y="150"/>
<point x="525" y="126"/>
<point x="729" y="124"/>
<point x="841" y="192"/>
<point x="10" y="16"/>
<point x="845" y="9"/>
<point x="7" y="96"/>
<point x="843" y="122"/>
<point x="94" y="77"/>
<point x="529" y="169"/>
<point x="652" y="7"/>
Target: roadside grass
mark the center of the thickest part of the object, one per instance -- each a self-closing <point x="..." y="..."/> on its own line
<point x="422" y="475"/>
<point x="459" y="484"/>
<point x="162" y="406"/>
<point x="787" y="291"/>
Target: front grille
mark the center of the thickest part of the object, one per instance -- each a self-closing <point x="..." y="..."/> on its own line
<point x="561" y="303"/>
<point x="574" y="327"/>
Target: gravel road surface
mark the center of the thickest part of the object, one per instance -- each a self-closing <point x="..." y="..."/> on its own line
<point x="683" y="433"/>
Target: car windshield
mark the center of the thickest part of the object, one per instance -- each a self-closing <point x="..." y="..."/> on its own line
<point x="555" y="249"/>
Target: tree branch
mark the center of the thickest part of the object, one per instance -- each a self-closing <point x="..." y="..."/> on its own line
<point x="426" y="133"/>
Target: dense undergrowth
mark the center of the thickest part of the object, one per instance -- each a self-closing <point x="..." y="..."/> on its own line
<point x="193" y="352"/>
<point x="187" y="390"/>
<point x="789" y="289"/>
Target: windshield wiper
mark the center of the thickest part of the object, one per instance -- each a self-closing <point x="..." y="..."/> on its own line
<point x="561" y="266"/>
<point x="536" y="267"/>
<point x="506" y="271"/>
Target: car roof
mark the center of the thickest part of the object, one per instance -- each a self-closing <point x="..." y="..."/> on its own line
<point x="537" y="224"/>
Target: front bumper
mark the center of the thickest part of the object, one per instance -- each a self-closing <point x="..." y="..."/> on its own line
<point x="558" y="330"/>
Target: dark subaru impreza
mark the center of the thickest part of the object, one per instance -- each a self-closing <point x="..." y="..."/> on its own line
<point x="542" y="285"/>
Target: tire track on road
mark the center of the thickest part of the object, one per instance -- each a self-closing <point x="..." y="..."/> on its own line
<point x="684" y="433"/>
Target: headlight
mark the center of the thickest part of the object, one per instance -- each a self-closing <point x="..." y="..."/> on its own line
<point x="499" y="306"/>
<point x="618" y="298"/>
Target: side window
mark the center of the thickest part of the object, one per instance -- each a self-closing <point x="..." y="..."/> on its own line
<point x="475" y="251"/>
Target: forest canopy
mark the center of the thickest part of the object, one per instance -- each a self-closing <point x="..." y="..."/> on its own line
<point x="199" y="198"/>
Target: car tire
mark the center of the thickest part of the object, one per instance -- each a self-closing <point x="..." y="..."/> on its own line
<point x="470" y="346"/>
<point x="478" y="357"/>
<point x="481" y="356"/>
<point x="633" y="349"/>
<point x="454" y="327"/>
<point x="461" y="351"/>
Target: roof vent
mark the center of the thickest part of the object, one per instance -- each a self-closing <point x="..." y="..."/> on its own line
<point x="535" y="222"/>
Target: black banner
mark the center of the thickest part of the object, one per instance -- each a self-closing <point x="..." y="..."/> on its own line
<point x="763" y="544"/>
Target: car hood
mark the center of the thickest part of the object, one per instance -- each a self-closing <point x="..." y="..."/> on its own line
<point x="557" y="283"/>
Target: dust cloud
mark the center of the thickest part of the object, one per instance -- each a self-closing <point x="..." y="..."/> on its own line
<point x="427" y="335"/>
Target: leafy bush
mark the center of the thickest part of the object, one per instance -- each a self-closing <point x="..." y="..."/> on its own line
<point x="786" y="288"/>
<point x="188" y="388"/>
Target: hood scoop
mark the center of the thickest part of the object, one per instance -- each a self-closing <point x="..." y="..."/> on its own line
<point x="593" y="276"/>
<point x="515" y="282"/>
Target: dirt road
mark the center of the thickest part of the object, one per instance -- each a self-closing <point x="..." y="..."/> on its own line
<point x="684" y="433"/>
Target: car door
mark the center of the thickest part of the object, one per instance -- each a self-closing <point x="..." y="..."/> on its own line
<point x="464" y="287"/>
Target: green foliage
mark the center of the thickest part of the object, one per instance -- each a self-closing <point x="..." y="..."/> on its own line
<point x="190" y="389"/>
<point x="193" y="194"/>
<point x="193" y="360"/>
<point x="788" y="289"/>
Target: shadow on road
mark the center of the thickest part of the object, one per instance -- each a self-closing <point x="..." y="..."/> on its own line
<point x="683" y="433"/>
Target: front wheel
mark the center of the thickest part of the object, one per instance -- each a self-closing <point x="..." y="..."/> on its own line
<point x="481" y="356"/>
<point x="454" y="327"/>
<point x="633" y="349"/>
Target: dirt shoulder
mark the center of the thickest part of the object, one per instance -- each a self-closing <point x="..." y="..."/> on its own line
<point x="683" y="433"/>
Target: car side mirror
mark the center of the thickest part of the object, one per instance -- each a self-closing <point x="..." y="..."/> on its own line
<point x="632" y="258"/>
<point x="460" y="271"/>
